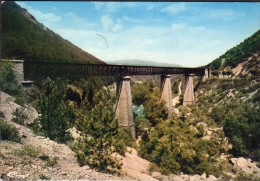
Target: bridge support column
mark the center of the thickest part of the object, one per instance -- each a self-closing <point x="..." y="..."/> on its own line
<point x="188" y="97"/>
<point x="124" y="112"/>
<point x="207" y="74"/>
<point x="166" y="89"/>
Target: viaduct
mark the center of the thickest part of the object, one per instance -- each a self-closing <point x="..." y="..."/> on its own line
<point x="28" y="71"/>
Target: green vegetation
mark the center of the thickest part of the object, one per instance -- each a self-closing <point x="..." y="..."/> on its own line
<point x="100" y="135"/>
<point x="19" y="116"/>
<point x="174" y="143"/>
<point x="50" y="162"/>
<point x="241" y="125"/>
<point x="24" y="38"/>
<point x="44" y="177"/>
<point x="8" y="132"/>
<point x="8" y="82"/>
<point x="28" y="150"/>
<point x="238" y="54"/>
<point x="55" y="116"/>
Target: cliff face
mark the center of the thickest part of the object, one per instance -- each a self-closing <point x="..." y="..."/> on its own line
<point x="23" y="37"/>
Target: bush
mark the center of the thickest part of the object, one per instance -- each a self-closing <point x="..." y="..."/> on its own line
<point x="19" y="116"/>
<point x="8" y="82"/>
<point x="50" y="162"/>
<point x="173" y="145"/>
<point x="241" y="124"/>
<point x="28" y="150"/>
<point x="7" y="132"/>
<point x="54" y="115"/>
<point x="100" y="134"/>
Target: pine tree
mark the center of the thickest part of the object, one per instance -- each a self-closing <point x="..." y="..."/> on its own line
<point x="54" y="114"/>
<point x="100" y="134"/>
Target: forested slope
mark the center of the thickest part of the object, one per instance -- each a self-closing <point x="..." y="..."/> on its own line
<point x="23" y="37"/>
<point x="239" y="53"/>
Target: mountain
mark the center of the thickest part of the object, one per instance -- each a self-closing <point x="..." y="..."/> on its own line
<point x="141" y="63"/>
<point x="23" y="37"/>
<point x="238" y="54"/>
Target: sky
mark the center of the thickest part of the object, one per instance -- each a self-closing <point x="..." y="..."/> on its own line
<point x="190" y="34"/>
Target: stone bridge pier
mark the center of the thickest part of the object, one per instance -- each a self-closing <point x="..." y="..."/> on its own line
<point x="124" y="113"/>
<point x="188" y="97"/>
<point x="166" y="92"/>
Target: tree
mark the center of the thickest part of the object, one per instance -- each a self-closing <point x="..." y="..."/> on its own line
<point x="241" y="126"/>
<point x="154" y="108"/>
<point x="140" y="92"/>
<point x="100" y="134"/>
<point x="54" y="115"/>
<point x="8" y="82"/>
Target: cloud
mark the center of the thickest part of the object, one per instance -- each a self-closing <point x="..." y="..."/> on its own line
<point x="110" y="7"/>
<point x="174" y="8"/>
<point x="132" y="20"/>
<point x="192" y="46"/>
<point x="178" y="26"/>
<point x="223" y="14"/>
<point x="108" y="23"/>
<point x="79" y="20"/>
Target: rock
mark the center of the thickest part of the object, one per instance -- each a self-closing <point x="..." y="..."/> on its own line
<point x="212" y="177"/>
<point x="242" y="162"/>
<point x="194" y="178"/>
<point x="174" y="177"/>
<point x="185" y="177"/>
<point x="156" y="174"/>
<point x="233" y="160"/>
<point x="131" y="150"/>
<point x="86" y="167"/>
<point x="206" y="137"/>
<point x="203" y="176"/>
<point x="209" y="132"/>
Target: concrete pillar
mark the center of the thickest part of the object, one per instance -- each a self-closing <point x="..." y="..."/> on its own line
<point x="166" y="90"/>
<point x="124" y="112"/>
<point x="207" y="74"/>
<point x="18" y="69"/>
<point x="188" y="97"/>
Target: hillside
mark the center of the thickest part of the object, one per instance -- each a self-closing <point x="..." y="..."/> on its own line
<point x="239" y="53"/>
<point x="23" y="37"/>
<point x="232" y="97"/>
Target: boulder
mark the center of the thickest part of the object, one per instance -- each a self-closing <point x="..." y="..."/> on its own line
<point x="203" y="176"/>
<point x="233" y="160"/>
<point x="212" y="178"/>
<point x="242" y="162"/>
<point x="194" y="178"/>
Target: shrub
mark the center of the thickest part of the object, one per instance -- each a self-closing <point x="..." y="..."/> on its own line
<point x="28" y="150"/>
<point x="44" y="177"/>
<point x="54" y="115"/>
<point x="50" y="162"/>
<point x="19" y="116"/>
<point x="8" y="82"/>
<point x="8" y="132"/>
<point x="173" y="145"/>
<point x="2" y="115"/>
<point x="101" y="135"/>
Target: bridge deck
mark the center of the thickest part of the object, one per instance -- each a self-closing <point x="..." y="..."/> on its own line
<point x="38" y="70"/>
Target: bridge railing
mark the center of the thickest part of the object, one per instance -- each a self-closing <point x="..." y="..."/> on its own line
<point x="40" y="70"/>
